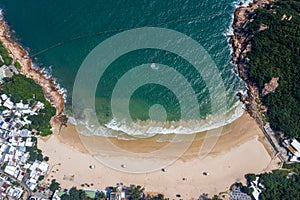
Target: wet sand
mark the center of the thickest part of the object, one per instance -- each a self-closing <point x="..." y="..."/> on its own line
<point x="240" y="150"/>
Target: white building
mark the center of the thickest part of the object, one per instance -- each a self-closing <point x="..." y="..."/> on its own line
<point x="44" y="167"/>
<point x="8" y="104"/>
<point x="29" y="143"/>
<point x="4" y="97"/>
<point x="11" y="170"/>
<point x="294" y="149"/>
<point x="20" y="105"/>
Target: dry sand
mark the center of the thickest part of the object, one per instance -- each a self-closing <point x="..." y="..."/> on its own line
<point x="241" y="149"/>
<point x="238" y="151"/>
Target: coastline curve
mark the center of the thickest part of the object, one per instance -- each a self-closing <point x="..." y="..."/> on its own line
<point x="93" y="67"/>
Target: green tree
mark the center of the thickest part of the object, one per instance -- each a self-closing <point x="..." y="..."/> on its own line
<point x="46" y="158"/>
<point x="250" y="178"/>
<point x="274" y="53"/>
<point x="136" y="192"/>
<point x="5" y="55"/>
<point x="216" y="197"/>
<point x="54" y="185"/>
<point x="22" y="88"/>
<point x="18" y="65"/>
<point x="41" y="178"/>
<point x="101" y="196"/>
<point x="75" y="194"/>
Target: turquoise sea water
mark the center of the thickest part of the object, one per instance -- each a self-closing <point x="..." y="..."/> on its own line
<point x="38" y="25"/>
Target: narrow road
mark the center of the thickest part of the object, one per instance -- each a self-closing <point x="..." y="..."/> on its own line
<point x="21" y="183"/>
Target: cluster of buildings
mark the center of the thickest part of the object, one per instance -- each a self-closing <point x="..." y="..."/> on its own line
<point x="15" y="141"/>
<point x="10" y="188"/>
<point x="288" y="150"/>
<point x="293" y="147"/>
<point x="117" y="193"/>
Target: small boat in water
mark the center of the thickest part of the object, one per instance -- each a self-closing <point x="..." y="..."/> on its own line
<point x="154" y="66"/>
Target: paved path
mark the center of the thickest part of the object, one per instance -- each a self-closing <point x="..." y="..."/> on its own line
<point x="21" y="183"/>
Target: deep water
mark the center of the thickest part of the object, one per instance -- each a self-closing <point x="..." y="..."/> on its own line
<point x="38" y="25"/>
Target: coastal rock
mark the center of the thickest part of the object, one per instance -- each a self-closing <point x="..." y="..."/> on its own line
<point x="51" y="90"/>
<point x="241" y="45"/>
<point x="263" y="109"/>
<point x="235" y="69"/>
<point x="271" y="86"/>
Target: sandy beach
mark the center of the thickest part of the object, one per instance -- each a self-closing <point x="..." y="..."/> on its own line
<point x="240" y="150"/>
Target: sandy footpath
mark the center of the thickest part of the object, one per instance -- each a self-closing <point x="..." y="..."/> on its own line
<point x="237" y="152"/>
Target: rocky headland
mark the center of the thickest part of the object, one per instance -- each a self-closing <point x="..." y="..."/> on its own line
<point x="51" y="90"/>
<point x="241" y="45"/>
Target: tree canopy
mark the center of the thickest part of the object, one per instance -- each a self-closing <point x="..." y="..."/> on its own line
<point x="275" y="53"/>
<point x="22" y="88"/>
<point x="75" y="194"/>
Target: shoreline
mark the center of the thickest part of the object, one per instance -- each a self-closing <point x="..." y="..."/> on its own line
<point x="50" y="88"/>
<point x="241" y="149"/>
<point x="69" y="135"/>
<point x="241" y="44"/>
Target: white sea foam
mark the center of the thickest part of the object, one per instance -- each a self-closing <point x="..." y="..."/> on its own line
<point x="48" y="75"/>
<point x="236" y="4"/>
<point x="245" y="3"/>
<point x="34" y="65"/>
<point x="121" y="129"/>
<point x="185" y="127"/>
<point x="229" y="31"/>
<point x="72" y="120"/>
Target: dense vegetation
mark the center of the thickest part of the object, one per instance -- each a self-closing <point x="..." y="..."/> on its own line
<point x="54" y="185"/>
<point x="22" y="88"/>
<point x="5" y="55"/>
<point x="275" y="53"/>
<point x="75" y="194"/>
<point x="18" y="65"/>
<point x="34" y="152"/>
<point x="280" y="184"/>
<point x="134" y="192"/>
<point x="279" y="187"/>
